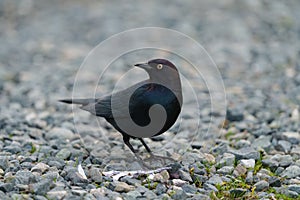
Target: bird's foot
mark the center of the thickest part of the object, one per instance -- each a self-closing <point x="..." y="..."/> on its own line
<point x="158" y="161"/>
<point x="141" y="162"/>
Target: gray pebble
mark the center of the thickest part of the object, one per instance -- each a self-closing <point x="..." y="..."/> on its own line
<point x="261" y="185"/>
<point x="185" y="176"/>
<point x="59" y="133"/>
<point x="25" y="177"/>
<point x="189" y="188"/>
<point x="6" y="187"/>
<point x="250" y="163"/>
<point x="76" y="178"/>
<point x="132" y="195"/>
<point x="160" y="189"/>
<point x="209" y="187"/>
<point x="214" y="180"/>
<point x="291" y="171"/>
<point x="227" y="159"/>
<point x="284" y="146"/>
<point x="41" y="187"/>
<point x="95" y="175"/>
<point x="263" y="142"/>
<point x="295" y="188"/>
<point x="63" y="154"/>
<point x="56" y="194"/>
<point x="245" y="153"/>
<point x="123" y="187"/>
<point x="40" y="168"/>
<point x="237" y="192"/>
<point x="274" y="181"/>
<point x="240" y="170"/>
<point x="249" y="177"/>
<point x="292" y="137"/>
<point x="226" y="170"/>
<point x="179" y="194"/>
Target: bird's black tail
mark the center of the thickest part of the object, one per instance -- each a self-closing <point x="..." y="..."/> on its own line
<point x="78" y="101"/>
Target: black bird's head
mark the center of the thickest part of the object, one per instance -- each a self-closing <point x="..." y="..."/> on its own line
<point x="162" y="71"/>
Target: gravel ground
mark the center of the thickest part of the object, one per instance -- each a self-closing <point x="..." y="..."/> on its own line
<point x="44" y="144"/>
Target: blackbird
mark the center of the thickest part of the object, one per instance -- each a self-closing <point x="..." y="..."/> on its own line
<point x="163" y="87"/>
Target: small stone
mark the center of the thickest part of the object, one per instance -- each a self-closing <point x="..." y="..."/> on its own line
<point x="14" y="149"/>
<point x="59" y="133"/>
<point x="284" y="146"/>
<point x="250" y="163"/>
<point x="63" y="154"/>
<point x="237" y="192"/>
<point x="185" y="176"/>
<point x="210" y="158"/>
<point x="148" y="195"/>
<point x="261" y="186"/>
<point x="199" y="178"/>
<point x="220" y="149"/>
<point x="95" y="175"/>
<point x="274" y="181"/>
<point x="264" y="130"/>
<point x="165" y="175"/>
<point x="214" y="180"/>
<point x="292" y="137"/>
<point x="178" y="182"/>
<point x="59" y="194"/>
<point x="210" y="187"/>
<point x="1" y="172"/>
<point x="295" y="150"/>
<point x="132" y="195"/>
<point x="291" y="172"/>
<point x="123" y="187"/>
<point x="234" y="114"/>
<point x="226" y="170"/>
<point x="160" y="189"/>
<point x="295" y="188"/>
<point x="79" y="192"/>
<point x="40" y="168"/>
<point x="130" y="181"/>
<point x="249" y="177"/>
<point x="25" y="177"/>
<point x="179" y="195"/>
<point x="282" y="160"/>
<point x="263" y="142"/>
<point x="279" y="170"/>
<point x="190" y="189"/>
<point x="4" y="162"/>
<point x="75" y="177"/>
<point x="228" y="159"/>
<point x="199" y="197"/>
<point x="22" y="187"/>
<point x="240" y="170"/>
<point x="6" y="187"/>
<point x="245" y="153"/>
<point x="242" y="144"/>
<point x="41" y="187"/>
<point x="55" y="162"/>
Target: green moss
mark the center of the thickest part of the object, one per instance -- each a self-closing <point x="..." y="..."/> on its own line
<point x="258" y="164"/>
<point x="33" y="148"/>
<point x="228" y="135"/>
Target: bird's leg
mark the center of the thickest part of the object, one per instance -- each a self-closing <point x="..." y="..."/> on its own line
<point x="126" y="141"/>
<point x="140" y="160"/>
<point x="145" y="145"/>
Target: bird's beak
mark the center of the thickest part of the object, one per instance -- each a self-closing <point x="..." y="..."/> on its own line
<point x="144" y="66"/>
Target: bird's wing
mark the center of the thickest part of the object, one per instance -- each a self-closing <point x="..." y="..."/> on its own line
<point x="103" y="106"/>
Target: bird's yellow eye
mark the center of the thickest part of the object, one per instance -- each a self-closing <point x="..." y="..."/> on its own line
<point x="159" y="66"/>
